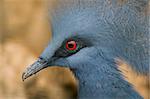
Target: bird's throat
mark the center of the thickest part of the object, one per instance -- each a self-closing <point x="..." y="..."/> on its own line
<point x="88" y="88"/>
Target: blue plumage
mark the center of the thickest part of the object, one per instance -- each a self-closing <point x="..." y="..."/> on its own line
<point x="105" y="30"/>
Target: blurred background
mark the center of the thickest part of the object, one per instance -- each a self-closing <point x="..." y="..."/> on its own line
<point x="24" y="33"/>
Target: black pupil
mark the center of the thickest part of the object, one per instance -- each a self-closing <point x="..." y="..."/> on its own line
<point x="70" y="45"/>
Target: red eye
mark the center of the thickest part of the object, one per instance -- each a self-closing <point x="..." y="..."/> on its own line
<point x="71" y="45"/>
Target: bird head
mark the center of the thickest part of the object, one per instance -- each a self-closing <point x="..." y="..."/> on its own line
<point x="85" y="32"/>
<point x="79" y="34"/>
<point x="73" y="41"/>
<point x="87" y="36"/>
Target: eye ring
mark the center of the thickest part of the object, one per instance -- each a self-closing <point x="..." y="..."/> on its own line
<point x="71" y="45"/>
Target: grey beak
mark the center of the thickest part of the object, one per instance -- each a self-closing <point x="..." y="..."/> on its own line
<point x="34" y="68"/>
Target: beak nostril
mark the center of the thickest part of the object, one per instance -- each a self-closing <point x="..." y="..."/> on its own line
<point x="41" y="60"/>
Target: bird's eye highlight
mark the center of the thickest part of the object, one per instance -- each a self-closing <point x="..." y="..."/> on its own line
<point x="71" y="46"/>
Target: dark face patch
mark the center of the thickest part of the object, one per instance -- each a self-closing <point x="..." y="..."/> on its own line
<point x="71" y="46"/>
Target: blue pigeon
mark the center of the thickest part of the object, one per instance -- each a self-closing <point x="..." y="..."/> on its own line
<point x="89" y="35"/>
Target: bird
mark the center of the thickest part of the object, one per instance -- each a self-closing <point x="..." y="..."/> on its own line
<point x="88" y="36"/>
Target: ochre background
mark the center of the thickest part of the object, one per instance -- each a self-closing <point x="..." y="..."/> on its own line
<point x="24" y="33"/>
